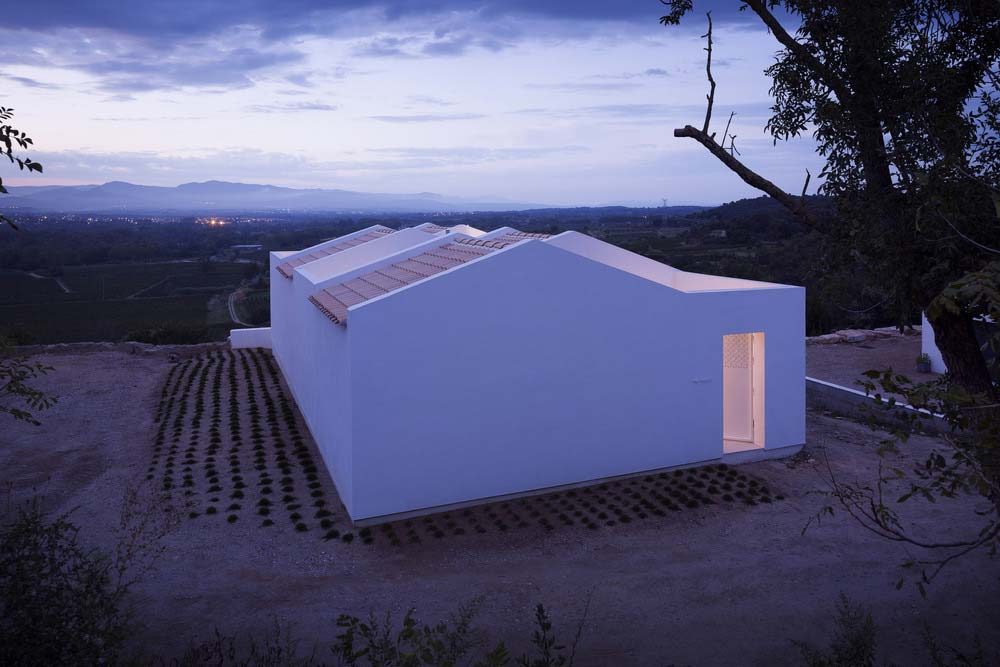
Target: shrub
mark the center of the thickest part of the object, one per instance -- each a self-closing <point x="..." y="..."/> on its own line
<point x="853" y="642"/>
<point x="62" y="603"/>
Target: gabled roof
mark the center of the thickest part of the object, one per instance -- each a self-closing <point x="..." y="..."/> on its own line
<point x="287" y="268"/>
<point x="334" y="301"/>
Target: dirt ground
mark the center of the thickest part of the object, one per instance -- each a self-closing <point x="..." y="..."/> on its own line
<point x="726" y="583"/>
<point x="843" y="363"/>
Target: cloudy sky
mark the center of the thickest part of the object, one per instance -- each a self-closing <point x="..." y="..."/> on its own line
<point x="542" y="101"/>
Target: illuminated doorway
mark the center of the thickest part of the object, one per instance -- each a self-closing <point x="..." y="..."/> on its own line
<point x="742" y="392"/>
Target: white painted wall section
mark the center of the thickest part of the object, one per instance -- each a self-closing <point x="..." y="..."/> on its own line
<point x="929" y="347"/>
<point x="245" y="338"/>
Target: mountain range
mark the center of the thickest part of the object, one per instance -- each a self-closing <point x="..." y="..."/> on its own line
<point x="222" y="197"/>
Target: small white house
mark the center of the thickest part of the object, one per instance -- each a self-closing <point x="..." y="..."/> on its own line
<point x="437" y="367"/>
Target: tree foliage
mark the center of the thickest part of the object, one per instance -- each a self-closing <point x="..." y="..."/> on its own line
<point x="902" y="99"/>
<point x="17" y="397"/>
<point x="12" y="139"/>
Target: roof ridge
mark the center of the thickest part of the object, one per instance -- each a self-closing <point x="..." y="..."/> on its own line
<point x="288" y="267"/>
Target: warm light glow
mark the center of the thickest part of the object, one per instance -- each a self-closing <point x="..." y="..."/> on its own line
<point x="213" y="221"/>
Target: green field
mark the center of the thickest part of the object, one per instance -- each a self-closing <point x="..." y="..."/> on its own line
<point x="107" y="302"/>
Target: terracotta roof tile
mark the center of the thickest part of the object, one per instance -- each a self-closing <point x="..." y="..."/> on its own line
<point x="518" y="234"/>
<point x="287" y="268"/>
<point x="334" y="301"/>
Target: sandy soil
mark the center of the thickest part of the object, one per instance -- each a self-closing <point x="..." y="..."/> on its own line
<point x="722" y="584"/>
<point x="843" y="363"/>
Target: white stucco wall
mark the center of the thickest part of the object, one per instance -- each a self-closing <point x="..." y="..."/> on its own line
<point x="535" y="367"/>
<point x="243" y="338"/>
<point x="929" y="347"/>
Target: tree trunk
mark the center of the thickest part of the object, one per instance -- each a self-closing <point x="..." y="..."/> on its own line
<point x="955" y="337"/>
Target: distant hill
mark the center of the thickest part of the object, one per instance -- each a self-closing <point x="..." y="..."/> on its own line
<point x="757" y="207"/>
<point x="119" y="197"/>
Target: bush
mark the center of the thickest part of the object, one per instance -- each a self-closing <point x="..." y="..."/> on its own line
<point x="60" y="603"/>
<point x="853" y="643"/>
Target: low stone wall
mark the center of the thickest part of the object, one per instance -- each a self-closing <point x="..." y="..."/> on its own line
<point x="144" y="349"/>
<point x="856" y="404"/>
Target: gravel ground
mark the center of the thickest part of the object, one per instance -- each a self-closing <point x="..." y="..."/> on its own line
<point x="726" y="583"/>
<point x="843" y="363"/>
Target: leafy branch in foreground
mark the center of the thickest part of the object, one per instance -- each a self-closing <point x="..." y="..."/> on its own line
<point x="964" y="464"/>
<point x="62" y="603"/>
<point x="854" y="643"/>
<point x="16" y="371"/>
<point x="378" y="642"/>
<point x="10" y="139"/>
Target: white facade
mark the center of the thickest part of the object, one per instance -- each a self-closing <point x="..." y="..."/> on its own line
<point x="929" y="347"/>
<point x="545" y="362"/>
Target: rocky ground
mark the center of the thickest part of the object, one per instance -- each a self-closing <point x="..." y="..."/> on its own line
<point x="718" y="582"/>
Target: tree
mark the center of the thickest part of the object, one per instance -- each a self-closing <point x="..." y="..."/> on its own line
<point x="902" y="98"/>
<point x="10" y="139"/>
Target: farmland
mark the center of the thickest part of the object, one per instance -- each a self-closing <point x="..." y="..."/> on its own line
<point x="108" y="301"/>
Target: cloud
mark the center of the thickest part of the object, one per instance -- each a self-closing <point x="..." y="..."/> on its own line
<point x="474" y="154"/>
<point x="428" y="117"/>
<point x="292" y="107"/>
<point x="384" y="47"/>
<point x="30" y="83"/>
<point x="144" y="119"/>
<point x="134" y="71"/>
<point x="277" y="168"/>
<point x="165" y="20"/>
<point x="429" y="100"/>
<point x="603" y="82"/>
<point x="650" y="72"/>
<point x="452" y="46"/>
<point x="299" y="79"/>
<point x="577" y="87"/>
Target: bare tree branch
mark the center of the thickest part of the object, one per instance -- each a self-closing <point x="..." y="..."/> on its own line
<point x="725" y="135"/>
<point x="750" y="177"/>
<point x="711" y="79"/>
<point x="728" y="158"/>
<point x="966" y="238"/>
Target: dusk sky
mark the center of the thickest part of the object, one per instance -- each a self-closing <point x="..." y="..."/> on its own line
<point x="545" y="101"/>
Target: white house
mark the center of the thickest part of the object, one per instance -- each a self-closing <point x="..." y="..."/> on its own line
<point x="437" y="367"/>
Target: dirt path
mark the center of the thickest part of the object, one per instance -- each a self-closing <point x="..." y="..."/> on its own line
<point x="231" y="302"/>
<point x="718" y="585"/>
<point x="59" y="281"/>
<point x="137" y="294"/>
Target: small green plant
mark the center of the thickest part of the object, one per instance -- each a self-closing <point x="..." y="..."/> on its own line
<point x="853" y="643"/>
<point x="923" y="363"/>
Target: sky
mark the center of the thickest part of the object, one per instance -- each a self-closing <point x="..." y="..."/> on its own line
<point x="539" y="101"/>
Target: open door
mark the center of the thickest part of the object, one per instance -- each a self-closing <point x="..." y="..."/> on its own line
<point x="742" y="391"/>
